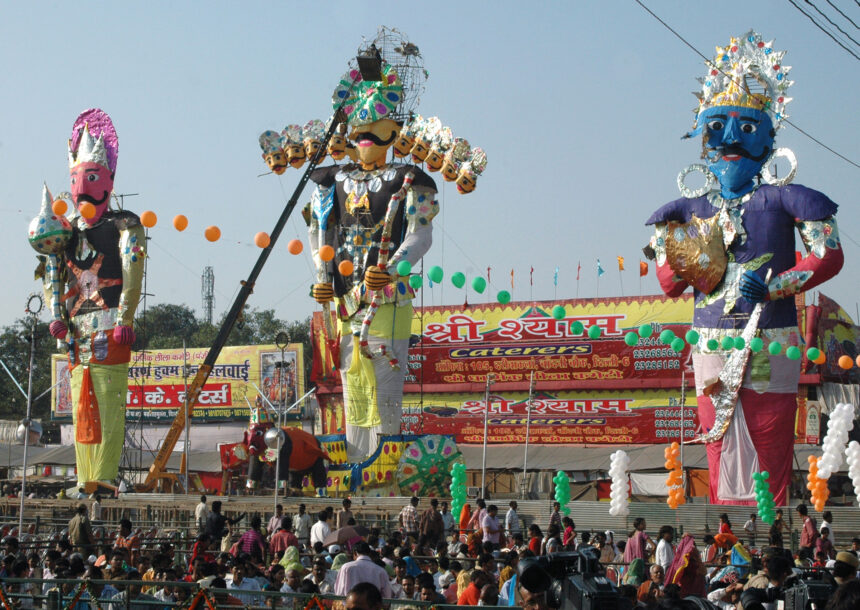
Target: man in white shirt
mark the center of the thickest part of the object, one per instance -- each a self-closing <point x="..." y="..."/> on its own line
<point x="361" y="569"/>
<point x="512" y="521"/>
<point x="447" y="520"/>
<point x="241" y="583"/>
<point x="96" y="509"/>
<point x="302" y="525"/>
<point x="201" y="513"/>
<point x="749" y="528"/>
<point x="665" y="553"/>
<point x="320" y="530"/>
<point x="275" y="522"/>
<point x="321" y="576"/>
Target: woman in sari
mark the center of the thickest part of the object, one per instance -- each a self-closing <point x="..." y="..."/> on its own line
<point x="635" y="574"/>
<point x="687" y="570"/>
<point x="639" y="544"/>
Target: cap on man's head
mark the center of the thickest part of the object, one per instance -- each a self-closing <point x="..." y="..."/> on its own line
<point x="848" y="557"/>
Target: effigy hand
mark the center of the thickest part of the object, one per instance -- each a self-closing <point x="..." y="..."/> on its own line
<point x="753" y="287"/>
<point x="322" y="293"/>
<point x="58" y="329"/>
<point x="376" y="278"/>
<point x="123" y="335"/>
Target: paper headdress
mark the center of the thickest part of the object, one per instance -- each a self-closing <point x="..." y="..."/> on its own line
<point x="94" y="140"/>
<point x="368" y="101"/>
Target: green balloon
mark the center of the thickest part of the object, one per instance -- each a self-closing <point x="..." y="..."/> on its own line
<point x="812" y="353"/>
<point x="667" y="336"/>
<point x="479" y="284"/>
<point x="793" y="353"/>
<point x="415" y="281"/>
<point x="435" y="274"/>
<point x="594" y="332"/>
<point x="558" y="312"/>
<point x="713" y="344"/>
<point x="692" y="337"/>
<point x="631" y="339"/>
<point x="727" y="343"/>
<point x="678" y="344"/>
<point x="576" y="327"/>
<point x="739" y="343"/>
<point x="504" y="297"/>
<point x="404" y="268"/>
<point x="765" y="475"/>
<point x="458" y="279"/>
<point x="646" y="330"/>
<point x="774" y="348"/>
<point x="756" y="344"/>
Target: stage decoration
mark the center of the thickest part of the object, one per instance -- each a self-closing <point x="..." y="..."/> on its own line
<point x="764" y="497"/>
<point x="562" y="490"/>
<point x="619" y="463"/>
<point x="272" y="145"/>
<point x="458" y="487"/>
<point x="840" y="425"/>
<point x="675" y="481"/>
<point x="92" y="279"/>
<point x="852" y="454"/>
<point x="425" y="465"/>
<point x="732" y="240"/>
<point x="816" y="485"/>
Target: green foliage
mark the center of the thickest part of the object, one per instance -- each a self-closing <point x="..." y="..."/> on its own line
<point x="15" y="353"/>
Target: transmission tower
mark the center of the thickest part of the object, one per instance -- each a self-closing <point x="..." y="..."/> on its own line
<point x="208" y="293"/>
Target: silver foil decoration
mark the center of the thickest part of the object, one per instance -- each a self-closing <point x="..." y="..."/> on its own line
<point x="724" y="391"/>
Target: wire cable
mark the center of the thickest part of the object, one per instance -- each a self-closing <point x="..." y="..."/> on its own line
<point x="820" y="27"/>
<point x="828" y="20"/>
<point x="836" y="8"/>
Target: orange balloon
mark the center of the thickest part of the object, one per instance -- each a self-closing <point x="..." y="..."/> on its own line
<point x="212" y="233"/>
<point x="858" y="358"/>
<point x="262" y="239"/>
<point x="180" y="222"/>
<point x="326" y="253"/>
<point x="295" y="246"/>
<point x="822" y="359"/>
<point x="811" y="459"/>
<point x="59" y="207"/>
<point x="148" y="219"/>
<point x="845" y="362"/>
<point x="87" y="209"/>
<point x="346" y="268"/>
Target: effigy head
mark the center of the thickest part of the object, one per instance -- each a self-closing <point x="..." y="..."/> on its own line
<point x="294" y="145"/>
<point x="467" y="179"/>
<point x="406" y="139"/>
<point x="337" y="143"/>
<point x="93" y="150"/>
<point x="313" y="134"/>
<point x="741" y="105"/>
<point x="439" y="148"/>
<point x="424" y="139"/>
<point x="373" y="141"/>
<point x="273" y="151"/>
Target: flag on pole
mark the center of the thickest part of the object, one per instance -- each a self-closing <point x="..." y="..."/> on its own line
<point x="532" y="276"/>
<point x="555" y="277"/>
<point x="512" y="280"/>
<point x="488" y="275"/>
<point x="600" y="270"/>
<point x="643" y="268"/>
<point x="620" y="263"/>
<point x="578" y="269"/>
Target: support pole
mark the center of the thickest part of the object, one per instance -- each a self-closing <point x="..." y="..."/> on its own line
<point x="528" y="433"/>
<point x="490" y="378"/>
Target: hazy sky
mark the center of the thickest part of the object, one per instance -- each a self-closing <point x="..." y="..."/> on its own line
<point x="579" y="105"/>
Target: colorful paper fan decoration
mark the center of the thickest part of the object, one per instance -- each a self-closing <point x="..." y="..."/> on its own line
<point x="368" y="101"/>
<point x="425" y="466"/>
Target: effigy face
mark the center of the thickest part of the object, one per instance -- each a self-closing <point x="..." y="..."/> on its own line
<point x="466" y="182"/>
<point x="420" y="150"/>
<point x="434" y="160"/>
<point x="311" y="148"/>
<point x="276" y="161"/>
<point x="403" y="145"/>
<point x="91" y="183"/>
<point x="373" y="141"/>
<point x="296" y="155"/>
<point x="738" y="141"/>
<point x="337" y="147"/>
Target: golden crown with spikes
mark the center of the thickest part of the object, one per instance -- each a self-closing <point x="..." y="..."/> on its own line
<point x="90" y="149"/>
<point x="747" y="73"/>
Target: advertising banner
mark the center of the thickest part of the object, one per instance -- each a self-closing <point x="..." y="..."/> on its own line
<point x="157" y="378"/>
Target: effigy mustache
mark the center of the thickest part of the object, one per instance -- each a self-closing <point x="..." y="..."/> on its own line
<point x="84" y="197"/>
<point x="366" y="135"/>
<point x="734" y="149"/>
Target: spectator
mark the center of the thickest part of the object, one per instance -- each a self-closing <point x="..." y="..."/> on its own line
<point x="472" y="595"/>
<point x="555" y="516"/>
<point x="245" y="589"/>
<point x="824" y="545"/>
<point x="216" y="523"/>
<point x="808" y="532"/>
<point x="302" y="525"/>
<point x="568" y="537"/>
<point x="201" y="514"/>
<point x="407" y="585"/>
<point x="846" y="596"/>
<point x="651" y="591"/>
<point x="431" y="527"/>
<point x="826" y="521"/>
<point x="478" y="517"/>
<point x="535" y="537"/>
<point x="489" y="595"/>
<point x="128" y="542"/>
<point x="448" y="522"/>
<point x="362" y="569"/>
<point x="344" y="514"/>
<point x="665" y="553"/>
<point x="490" y="527"/>
<point x="96" y="509"/>
<point x="320" y="529"/>
<point x="408" y="518"/>
<point x="638" y="544"/>
<point x="292" y="581"/>
<point x="252" y="541"/>
<point x="283" y="538"/>
<point x="777" y="568"/>
<point x="364" y="596"/>
<point x="845" y="567"/>
<point x="274" y="523"/>
<point x="749" y="528"/>
<point x="512" y="521"/>
<point x="81" y="532"/>
<point x="321" y="576"/>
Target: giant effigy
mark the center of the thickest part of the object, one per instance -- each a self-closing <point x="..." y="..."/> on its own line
<point x="733" y="241"/>
<point x="91" y="266"/>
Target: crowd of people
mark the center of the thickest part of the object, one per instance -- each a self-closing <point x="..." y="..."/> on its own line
<point x="431" y="556"/>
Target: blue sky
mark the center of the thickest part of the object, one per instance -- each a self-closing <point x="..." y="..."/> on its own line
<point x="579" y="105"/>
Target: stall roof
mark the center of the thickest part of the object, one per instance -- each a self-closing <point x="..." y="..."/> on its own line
<point x="203" y="461"/>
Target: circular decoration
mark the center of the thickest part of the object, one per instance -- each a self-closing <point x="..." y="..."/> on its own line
<point x="792" y="172"/>
<point x="558" y="312"/>
<point x="576" y="327"/>
<point x="295" y="246"/>
<point x="59" y="207"/>
<point x="727" y="343"/>
<point x="667" y="336"/>
<point x="845" y="362"/>
<point x="756" y="344"/>
<point x="594" y="331"/>
<point x="710" y="181"/>
<point x="740" y="343"/>
<point x="414" y="471"/>
<point x="148" y="219"/>
<point x="435" y="274"/>
<point x="479" y="284"/>
<point x="631" y="339"/>
<point x="35" y="303"/>
<point x="692" y="337"/>
<point x="404" y="268"/>
<point x="793" y="353"/>
<point x="180" y="222"/>
<point x="713" y="344"/>
<point x="678" y="344"/>
<point x="345" y="267"/>
<point x="262" y="239"/>
<point x="416" y="282"/>
<point x="87" y="210"/>
<point x="458" y="279"/>
<point x="212" y="233"/>
<point x="646" y="330"/>
<point x="774" y="348"/>
<point x="822" y="358"/>
<point x="812" y="353"/>
<point x="326" y="253"/>
<point x="504" y="297"/>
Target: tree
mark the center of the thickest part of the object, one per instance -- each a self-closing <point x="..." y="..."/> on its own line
<point x="164" y="326"/>
<point x="15" y="353"/>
